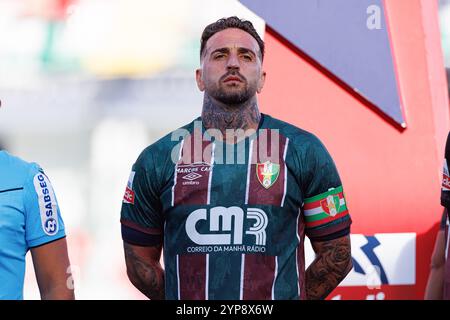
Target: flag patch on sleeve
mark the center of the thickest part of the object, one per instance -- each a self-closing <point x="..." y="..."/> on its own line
<point x="325" y="208"/>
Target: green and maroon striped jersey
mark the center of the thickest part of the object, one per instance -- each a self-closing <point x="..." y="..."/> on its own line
<point x="233" y="217"/>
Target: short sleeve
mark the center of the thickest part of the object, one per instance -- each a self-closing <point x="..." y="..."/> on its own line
<point x="445" y="188"/>
<point x="43" y="221"/>
<point x="141" y="215"/>
<point x="324" y="206"/>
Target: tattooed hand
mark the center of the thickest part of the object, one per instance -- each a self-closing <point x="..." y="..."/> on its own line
<point x="333" y="262"/>
<point x="144" y="270"/>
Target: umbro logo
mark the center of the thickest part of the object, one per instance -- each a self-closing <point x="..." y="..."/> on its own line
<point x="192" y="176"/>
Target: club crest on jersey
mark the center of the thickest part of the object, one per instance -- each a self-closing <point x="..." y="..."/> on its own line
<point x="331" y="205"/>
<point x="267" y="173"/>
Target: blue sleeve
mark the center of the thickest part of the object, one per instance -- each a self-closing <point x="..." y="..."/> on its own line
<point x="43" y="222"/>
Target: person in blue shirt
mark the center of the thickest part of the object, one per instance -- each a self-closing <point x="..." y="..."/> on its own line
<point x="30" y="220"/>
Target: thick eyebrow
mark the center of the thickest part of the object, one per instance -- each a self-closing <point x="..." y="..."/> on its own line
<point x="240" y="50"/>
<point x="245" y="50"/>
<point x="221" y="50"/>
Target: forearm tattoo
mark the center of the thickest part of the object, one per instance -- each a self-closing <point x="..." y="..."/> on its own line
<point x="332" y="264"/>
<point x="145" y="276"/>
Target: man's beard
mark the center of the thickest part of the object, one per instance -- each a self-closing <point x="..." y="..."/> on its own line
<point x="233" y="97"/>
<point x="236" y="97"/>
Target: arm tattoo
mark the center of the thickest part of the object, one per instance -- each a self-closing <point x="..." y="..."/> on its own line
<point x="147" y="276"/>
<point x="218" y="116"/>
<point x="333" y="262"/>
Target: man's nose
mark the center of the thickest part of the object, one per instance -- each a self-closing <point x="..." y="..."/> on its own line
<point x="233" y="62"/>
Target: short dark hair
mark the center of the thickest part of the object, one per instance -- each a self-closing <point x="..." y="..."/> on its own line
<point x="226" y="23"/>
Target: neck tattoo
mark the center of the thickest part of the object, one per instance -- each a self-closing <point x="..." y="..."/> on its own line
<point x="216" y="115"/>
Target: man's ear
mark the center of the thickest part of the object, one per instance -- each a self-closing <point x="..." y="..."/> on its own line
<point x="262" y="80"/>
<point x="198" y="78"/>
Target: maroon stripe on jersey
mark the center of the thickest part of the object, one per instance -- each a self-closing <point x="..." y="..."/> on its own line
<point x="193" y="171"/>
<point x="301" y="259"/>
<point x="192" y="275"/>
<point x="134" y="225"/>
<point x="262" y="152"/>
<point x="328" y="230"/>
<point x="259" y="273"/>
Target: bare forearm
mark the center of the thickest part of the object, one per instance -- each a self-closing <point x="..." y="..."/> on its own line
<point x="435" y="285"/>
<point x="58" y="293"/>
<point x="147" y="277"/>
<point x="329" y="268"/>
<point x="52" y="269"/>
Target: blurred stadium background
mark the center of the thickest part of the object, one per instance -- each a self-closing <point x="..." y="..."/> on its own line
<point x="85" y="85"/>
